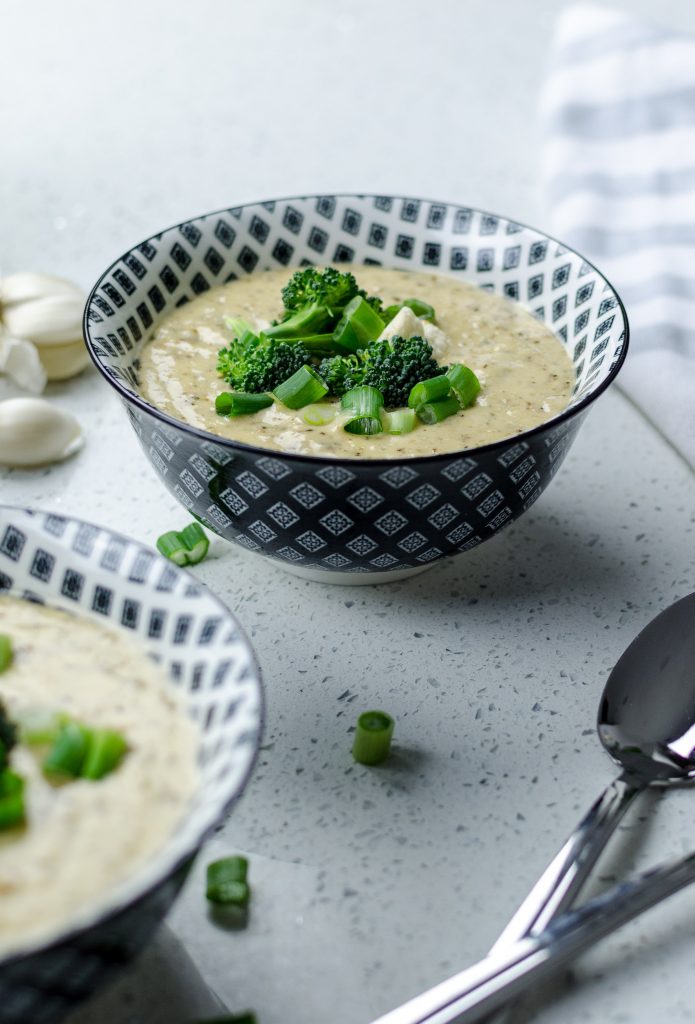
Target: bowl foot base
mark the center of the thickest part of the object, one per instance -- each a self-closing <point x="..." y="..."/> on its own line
<point x="351" y="579"/>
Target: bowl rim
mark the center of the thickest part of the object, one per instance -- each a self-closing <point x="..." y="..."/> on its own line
<point x="147" y="877"/>
<point x="350" y="461"/>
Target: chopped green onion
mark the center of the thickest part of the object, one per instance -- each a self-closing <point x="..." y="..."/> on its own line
<point x="187" y="547"/>
<point x="12" y="812"/>
<point x="400" y="421"/>
<point x="318" y="415"/>
<point x="240" y="403"/>
<point x="464" y="384"/>
<point x="171" y="545"/>
<point x="435" y="412"/>
<point x="421" y="309"/>
<point x="105" y="751"/>
<point x="6" y="653"/>
<point x="429" y="391"/>
<point x="68" y="752"/>
<point x="303" y="387"/>
<point x="372" y="737"/>
<point x="196" y="542"/>
<point x="226" y="881"/>
<point x="364" y="404"/>
<point x="38" y="727"/>
<point x="358" y="326"/>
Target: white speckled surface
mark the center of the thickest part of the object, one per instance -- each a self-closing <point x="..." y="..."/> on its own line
<point x="126" y="119"/>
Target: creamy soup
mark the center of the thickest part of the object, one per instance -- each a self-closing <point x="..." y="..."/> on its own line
<point x="525" y="374"/>
<point x="82" y="838"/>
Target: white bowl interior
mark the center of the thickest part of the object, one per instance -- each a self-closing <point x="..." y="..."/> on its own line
<point x="103" y="576"/>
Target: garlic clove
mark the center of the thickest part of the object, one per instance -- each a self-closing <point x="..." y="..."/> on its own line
<point x="19" y="359"/>
<point x="33" y="432"/>
<point x="26" y="286"/>
<point x="51" y="320"/>
<point x="63" y="361"/>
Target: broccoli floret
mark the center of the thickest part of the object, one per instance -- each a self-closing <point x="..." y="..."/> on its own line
<point x="328" y="287"/>
<point x="394" y="366"/>
<point x="8" y="735"/>
<point x="257" y="363"/>
<point x="339" y="374"/>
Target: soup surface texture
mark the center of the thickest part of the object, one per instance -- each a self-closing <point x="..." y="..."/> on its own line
<point x="525" y="373"/>
<point x="82" y="838"/>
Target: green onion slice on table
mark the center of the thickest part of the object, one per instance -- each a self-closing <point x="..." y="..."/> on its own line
<point x="373" y="733"/>
<point x="185" y="547"/>
<point x="226" y="881"/>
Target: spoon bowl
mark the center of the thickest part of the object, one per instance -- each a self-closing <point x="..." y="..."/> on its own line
<point x="646" y="718"/>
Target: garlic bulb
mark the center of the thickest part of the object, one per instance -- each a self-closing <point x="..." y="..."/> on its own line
<point x="47" y="312"/>
<point x="34" y="432"/>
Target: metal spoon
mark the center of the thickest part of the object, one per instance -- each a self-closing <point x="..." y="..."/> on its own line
<point x="646" y="722"/>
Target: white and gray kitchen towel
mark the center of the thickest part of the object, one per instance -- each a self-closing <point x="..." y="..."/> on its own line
<point x="618" y="172"/>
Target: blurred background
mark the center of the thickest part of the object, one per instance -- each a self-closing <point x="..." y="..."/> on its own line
<point x="119" y="119"/>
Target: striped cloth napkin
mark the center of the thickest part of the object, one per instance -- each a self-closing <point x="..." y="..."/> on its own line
<point x="618" y="170"/>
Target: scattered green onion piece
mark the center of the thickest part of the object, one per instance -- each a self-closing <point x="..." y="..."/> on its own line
<point x="226" y="881"/>
<point x="196" y="542"/>
<point x="171" y="545"/>
<point x="187" y="547"/>
<point x="38" y="727"/>
<point x="6" y="653"/>
<point x="400" y="421"/>
<point x="12" y="812"/>
<point x="105" y="751"/>
<point x="464" y="384"/>
<point x="435" y="412"/>
<point x="67" y="755"/>
<point x="373" y="734"/>
<point x="421" y="309"/>
<point x="240" y="403"/>
<point x="318" y="415"/>
<point x="365" y="404"/>
<point x="358" y="325"/>
<point x="302" y="388"/>
<point x="429" y="391"/>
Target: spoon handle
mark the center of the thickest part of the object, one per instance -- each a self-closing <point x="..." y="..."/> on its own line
<point x="562" y="879"/>
<point x="484" y="987"/>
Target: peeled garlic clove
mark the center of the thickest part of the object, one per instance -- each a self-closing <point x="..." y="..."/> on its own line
<point x="26" y="286"/>
<point x="34" y="432"/>
<point x="19" y="360"/>
<point x="63" y="361"/>
<point x="51" y="320"/>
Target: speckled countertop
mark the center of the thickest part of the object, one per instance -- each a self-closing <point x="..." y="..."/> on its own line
<point x="369" y="884"/>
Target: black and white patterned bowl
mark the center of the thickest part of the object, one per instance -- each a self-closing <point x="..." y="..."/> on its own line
<point x="110" y="579"/>
<point x="348" y="520"/>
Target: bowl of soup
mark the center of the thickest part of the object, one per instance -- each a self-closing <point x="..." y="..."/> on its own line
<point x="107" y="635"/>
<point x="542" y="330"/>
